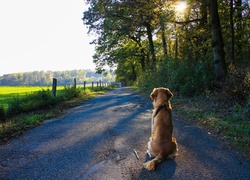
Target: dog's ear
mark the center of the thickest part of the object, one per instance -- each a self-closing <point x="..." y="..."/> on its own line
<point x="169" y="93"/>
<point x="154" y="94"/>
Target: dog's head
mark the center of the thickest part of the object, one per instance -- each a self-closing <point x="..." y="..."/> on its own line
<point x="161" y="96"/>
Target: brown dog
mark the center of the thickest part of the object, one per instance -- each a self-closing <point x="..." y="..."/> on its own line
<point x="161" y="145"/>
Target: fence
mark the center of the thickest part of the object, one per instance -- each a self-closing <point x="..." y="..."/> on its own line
<point x="85" y="84"/>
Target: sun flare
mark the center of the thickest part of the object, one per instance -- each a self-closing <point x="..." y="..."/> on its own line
<point x="180" y="6"/>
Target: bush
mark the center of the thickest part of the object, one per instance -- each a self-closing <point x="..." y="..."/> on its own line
<point x="69" y="93"/>
<point x="189" y="78"/>
<point x="30" y="102"/>
<point x="2" y="114"/>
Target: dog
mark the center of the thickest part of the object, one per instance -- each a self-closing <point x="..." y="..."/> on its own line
<point x="161" y="144"/>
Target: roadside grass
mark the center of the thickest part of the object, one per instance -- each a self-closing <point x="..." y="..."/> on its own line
<point x="16" y="123"/>
<point x="230" y="122"/>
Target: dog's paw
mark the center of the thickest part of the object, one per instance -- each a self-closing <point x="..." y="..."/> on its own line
<point x="150" y="166"/>
<point x="148" y="152"/>
<point x="172" y="156"/>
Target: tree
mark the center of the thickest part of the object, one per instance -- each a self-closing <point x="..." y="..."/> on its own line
<point x="117" y="21"/>
<point x="232" y="31"/>
<point x="137" y="37"/>
<point x="217" y="40"/>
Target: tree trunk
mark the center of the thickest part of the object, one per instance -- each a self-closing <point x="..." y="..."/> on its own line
<point x="151" y="45"/>
<point x="232" y="32"/>
<point x="203" y="24"/>
<point x="142" y="52"/>
<point x="204" y="12"/>
<point x="164" y="43"/>
<point x="176" y="48"/>
<point x="176" y="42"/>
<point x="239" y="29"/>
<point x="134" y="73"/>
<point x="217" y="41"/>
<point x="143" y="61"/>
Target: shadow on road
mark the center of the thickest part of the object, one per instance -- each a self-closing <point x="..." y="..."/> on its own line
<point x="164" y="170"/>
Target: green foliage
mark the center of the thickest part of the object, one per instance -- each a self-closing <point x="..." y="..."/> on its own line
<point x="70" y="93"/>
<point x="189" y="78"/>
<point x="30" y="102"/>
<point x="30" y="119"/>
<point x="2" y="113"/>
<point x="237" y="85"/>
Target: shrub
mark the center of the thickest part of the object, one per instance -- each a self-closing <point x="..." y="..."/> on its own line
<point x="30" y="102"/>
<point x="189" y="78"/>
<point x="2" y="114"/>
<point x="69" y="93"/>
<point x="14" y="106"/>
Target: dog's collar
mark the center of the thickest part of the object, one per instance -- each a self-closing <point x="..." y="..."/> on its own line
<point x="160" y="108"/>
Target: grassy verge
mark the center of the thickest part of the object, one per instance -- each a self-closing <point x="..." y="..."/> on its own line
<point x="16" y="124"/>
<point x="229" y="122"/>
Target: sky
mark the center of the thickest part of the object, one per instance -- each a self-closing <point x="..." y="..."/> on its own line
<point x="45" y="35"/>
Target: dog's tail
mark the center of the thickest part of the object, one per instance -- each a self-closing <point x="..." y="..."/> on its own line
<point x="150" y="165"/>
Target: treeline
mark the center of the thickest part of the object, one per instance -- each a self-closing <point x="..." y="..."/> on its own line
<point x="43" y="78"/>
<point x="156" y="43"/>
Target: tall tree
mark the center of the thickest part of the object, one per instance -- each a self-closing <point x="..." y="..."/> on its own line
<point x="217" y="40"/>
<point x="116" y="21"/>
<point x="239" y="28"/>
<point x="232" y="32"/>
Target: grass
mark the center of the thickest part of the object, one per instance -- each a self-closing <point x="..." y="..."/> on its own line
<point x="16" y="124"/>
<point x="230" y="122"/>
<point x="10" y="92"/>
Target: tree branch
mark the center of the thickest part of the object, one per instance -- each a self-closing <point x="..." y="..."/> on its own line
<point x="189" y="21"/>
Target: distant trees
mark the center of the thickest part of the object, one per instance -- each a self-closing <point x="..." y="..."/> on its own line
<point x="38" y="78"/>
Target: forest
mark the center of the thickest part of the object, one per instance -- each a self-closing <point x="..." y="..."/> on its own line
<point x="43" y="78"/>
<point x="193" y="47"/>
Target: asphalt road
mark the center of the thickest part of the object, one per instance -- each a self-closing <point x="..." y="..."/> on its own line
<point x="97" y="141"/>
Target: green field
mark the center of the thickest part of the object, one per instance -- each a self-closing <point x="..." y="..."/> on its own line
<point x="9" y="92"/>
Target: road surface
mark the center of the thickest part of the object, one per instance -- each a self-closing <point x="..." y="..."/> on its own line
<point x="97" y="141"/>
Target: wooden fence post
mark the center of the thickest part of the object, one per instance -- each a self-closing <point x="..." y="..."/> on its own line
<point x="74" y="83"/>
<point x="84" y="84"/>
<point x="54" y="87"/>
